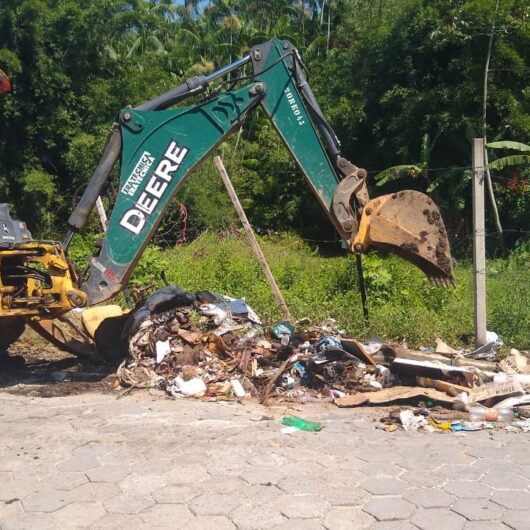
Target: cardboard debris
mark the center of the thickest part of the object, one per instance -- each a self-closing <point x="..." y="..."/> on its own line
<point x="523" y="379"/>
<point x="442" y="347"/>
<point x="509" y="366"/>
<point x="356" y="348"/>
<point x="516" y="363"/>
<point x="389" y="395"/>
<point x="492" y="390"/>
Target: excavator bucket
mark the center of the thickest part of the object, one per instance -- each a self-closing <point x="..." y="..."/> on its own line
<point x="67" y="335"/>
<point x="409" y="224"/>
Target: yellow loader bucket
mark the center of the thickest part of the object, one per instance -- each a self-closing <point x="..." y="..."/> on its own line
<point x="409" y="224"/>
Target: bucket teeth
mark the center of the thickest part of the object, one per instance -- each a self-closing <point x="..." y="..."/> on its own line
<point x="442" y="281"/>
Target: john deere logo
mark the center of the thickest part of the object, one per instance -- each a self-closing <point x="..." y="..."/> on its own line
<point x="134" y="219"/>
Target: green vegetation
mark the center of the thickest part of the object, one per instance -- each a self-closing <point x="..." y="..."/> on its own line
<point x="401" y="81"/>
<point x="403" y="304"/>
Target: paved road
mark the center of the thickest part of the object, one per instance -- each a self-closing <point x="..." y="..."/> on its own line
<point x="142" y="462"/>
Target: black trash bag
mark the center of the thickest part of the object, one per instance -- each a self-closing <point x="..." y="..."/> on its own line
<point x="165" y="299"/>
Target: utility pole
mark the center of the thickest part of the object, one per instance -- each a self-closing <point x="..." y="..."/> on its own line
<point x="252" y="238"/>
<point x="479" y="242"/>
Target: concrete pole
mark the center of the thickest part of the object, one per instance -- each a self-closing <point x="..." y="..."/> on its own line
<point x="479" y="242"/>
<point x="252" y="239"/>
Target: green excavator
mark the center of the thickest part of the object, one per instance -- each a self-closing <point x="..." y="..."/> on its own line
<point x="158" y="146"/>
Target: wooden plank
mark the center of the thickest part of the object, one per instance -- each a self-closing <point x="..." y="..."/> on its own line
<point x="102" y="214"/>
<point x="252" y="238"/>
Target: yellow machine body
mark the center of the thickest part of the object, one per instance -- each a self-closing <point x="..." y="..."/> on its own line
<point x="37" y="281"/>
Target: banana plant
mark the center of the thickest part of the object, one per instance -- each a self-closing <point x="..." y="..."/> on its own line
<point x="421" y="169"/>
<point x="522" y="158"/>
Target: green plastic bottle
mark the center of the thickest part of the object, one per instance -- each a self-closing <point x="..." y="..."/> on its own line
<point x="300" y="423"/>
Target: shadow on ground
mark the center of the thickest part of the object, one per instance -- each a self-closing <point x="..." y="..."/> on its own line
<point x="34" y="367"/>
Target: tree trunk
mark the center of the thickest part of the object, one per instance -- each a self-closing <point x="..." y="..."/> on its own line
<point x="329" y="30"/>
<point x="491" y="193"/>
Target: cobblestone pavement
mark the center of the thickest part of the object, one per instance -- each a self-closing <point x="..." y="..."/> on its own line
<point x="93" y="461"/>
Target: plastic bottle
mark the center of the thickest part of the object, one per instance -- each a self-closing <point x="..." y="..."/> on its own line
<point x="484" y="414"/>
<point x="300" y="423"/>
<point x="286" y="338"/>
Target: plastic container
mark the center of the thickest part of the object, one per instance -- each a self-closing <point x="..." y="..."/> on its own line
<point x="300" y="423"/>
<point x="286" y="338"/>
<point x="283" y="331"/>
<point x="484" y="414"/>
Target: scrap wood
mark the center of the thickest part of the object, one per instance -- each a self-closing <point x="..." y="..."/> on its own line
<point x="427" y="369"/>
<point x="279" y="372"/>
<point x="388" y="395"/>
<point x="254" y="244"/>
<point x="487" y="366"/>
<point x="217" y="345"/>
<point x="442" y="347"/>
<point x="244" y="359"/>
<point x="451" y="389"/>
<point x="356" y="348"/>
<point x="392" y="351"/>
<point x="396" y="351"/>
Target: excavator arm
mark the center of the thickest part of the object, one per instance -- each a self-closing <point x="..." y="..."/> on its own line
<point x="159" y="148"/>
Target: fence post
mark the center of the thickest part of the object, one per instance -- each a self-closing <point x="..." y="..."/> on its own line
<point x="479" y="242"/>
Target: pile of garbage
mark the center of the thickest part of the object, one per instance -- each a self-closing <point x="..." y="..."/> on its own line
<point x="210" y="346"/>
<point x="203" y="344"/>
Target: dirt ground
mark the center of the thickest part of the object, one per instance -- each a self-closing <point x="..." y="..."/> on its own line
<point x="36" y="368"/>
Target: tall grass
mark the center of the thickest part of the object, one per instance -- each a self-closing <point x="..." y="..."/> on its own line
<point x="403" y="304"/>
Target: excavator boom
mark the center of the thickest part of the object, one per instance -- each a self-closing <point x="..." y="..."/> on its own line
<point x="159" y="148"/>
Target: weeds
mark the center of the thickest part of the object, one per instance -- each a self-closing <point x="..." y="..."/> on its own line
<point x="403" y="304"/>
